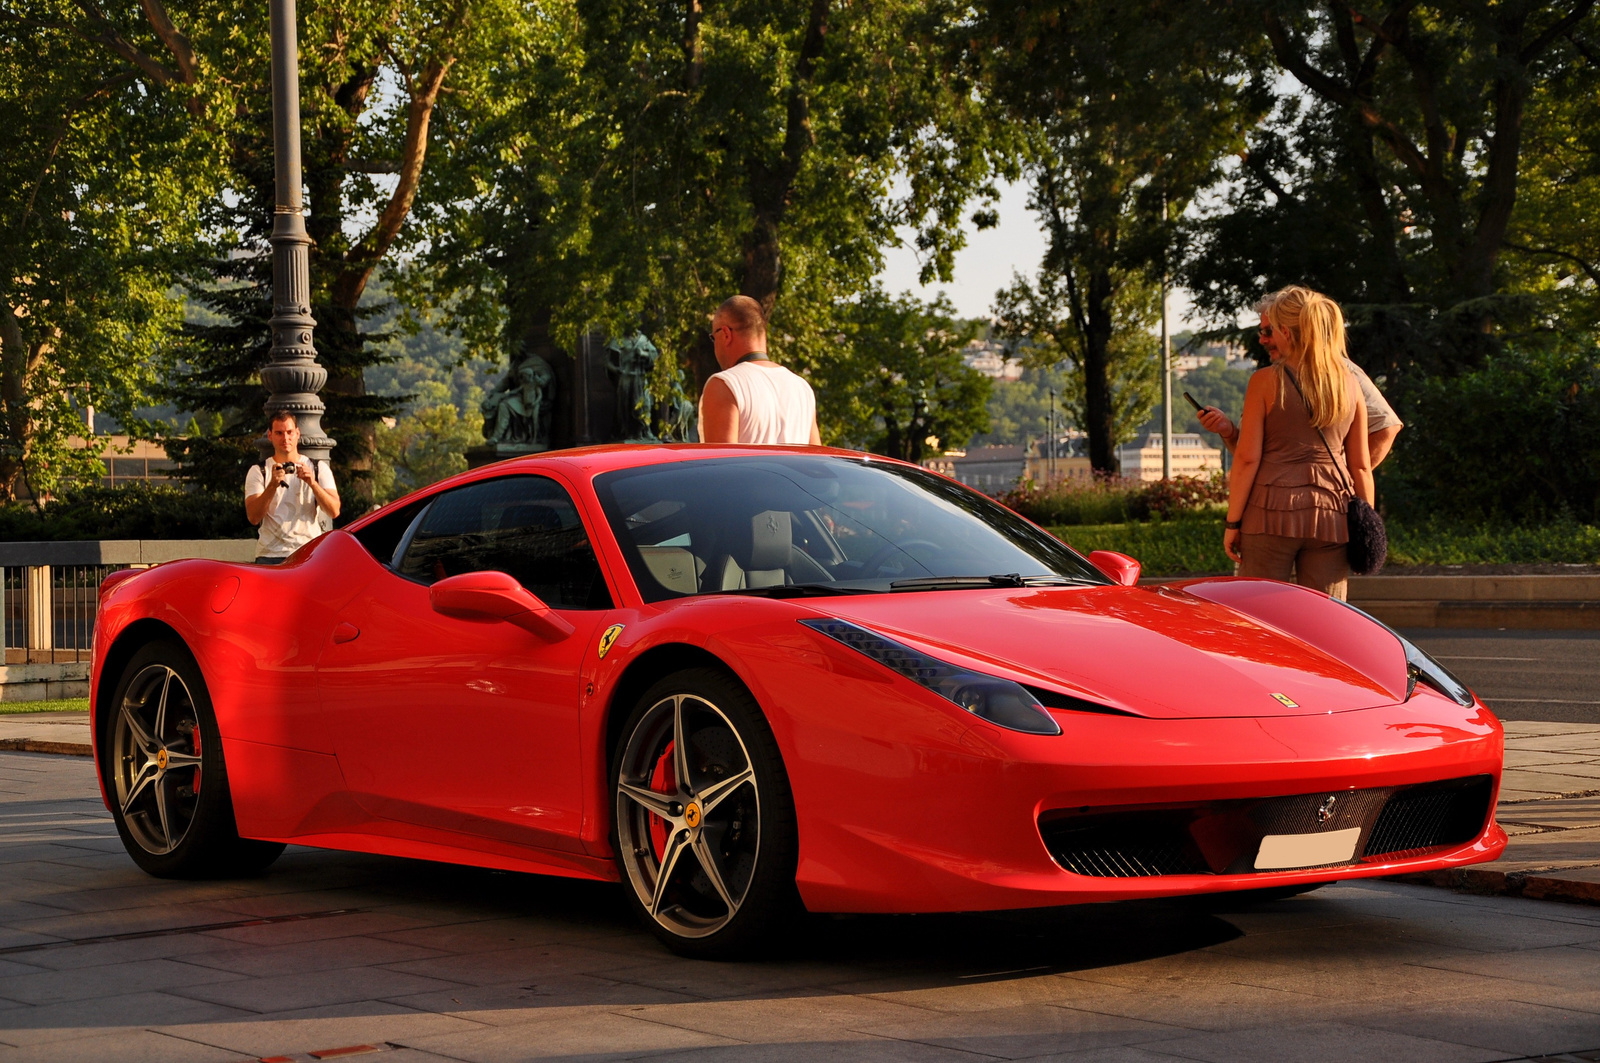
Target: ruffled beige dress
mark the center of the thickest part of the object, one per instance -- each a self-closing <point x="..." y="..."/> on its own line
<point x="1299" y="492"/>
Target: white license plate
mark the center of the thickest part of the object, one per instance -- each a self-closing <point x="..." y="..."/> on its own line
<point x="1279" y="851"/>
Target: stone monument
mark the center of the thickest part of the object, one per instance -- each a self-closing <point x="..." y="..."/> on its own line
<point x="519" y="412"/>
<point x="630" y="362"/>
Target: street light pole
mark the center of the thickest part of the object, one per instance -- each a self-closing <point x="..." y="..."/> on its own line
<point x="291" y="376"/>
<point x="1166" y="359"/>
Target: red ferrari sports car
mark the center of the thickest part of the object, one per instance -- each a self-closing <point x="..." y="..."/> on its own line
<point x="746" y="680"/>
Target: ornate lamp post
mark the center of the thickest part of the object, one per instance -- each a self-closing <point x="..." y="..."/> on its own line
<point x="292" y="376"/>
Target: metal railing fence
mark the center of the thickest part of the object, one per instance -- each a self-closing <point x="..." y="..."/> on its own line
<point x="50" y="592"/>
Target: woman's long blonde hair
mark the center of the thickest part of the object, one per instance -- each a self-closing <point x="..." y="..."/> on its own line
<point x="1310" y="327"/>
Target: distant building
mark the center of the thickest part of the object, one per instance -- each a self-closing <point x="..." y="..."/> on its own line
<point x="1071" y="461"/>
<point x="988" y="358"/>
<point x="147" y="462"/>
<point x="1232" y="354"/>
<point x="1141" y="458"/>
<point x="992" y="470"/>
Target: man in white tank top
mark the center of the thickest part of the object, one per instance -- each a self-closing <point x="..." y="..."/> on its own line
<point x="753" y="399"/>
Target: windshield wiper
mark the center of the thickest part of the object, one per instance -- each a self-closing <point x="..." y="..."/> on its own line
<point x="797" y="590"/>
<point x="1005" y="579"/>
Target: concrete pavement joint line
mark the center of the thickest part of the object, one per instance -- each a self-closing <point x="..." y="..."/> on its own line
<point x="201" y="928"/>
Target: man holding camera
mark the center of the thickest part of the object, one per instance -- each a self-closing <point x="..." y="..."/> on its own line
<point x="287" y="494"/>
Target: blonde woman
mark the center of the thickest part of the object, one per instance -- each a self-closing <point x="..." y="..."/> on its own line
<point x="1302" y="445"/>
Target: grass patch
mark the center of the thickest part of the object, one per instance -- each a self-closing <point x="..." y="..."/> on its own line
<point x="1193" y="544"/>
<point x="12" y="708"/>
<point x="1163" y="548"/>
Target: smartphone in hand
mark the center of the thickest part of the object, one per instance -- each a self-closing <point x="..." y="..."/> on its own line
<point x="1193" y="403"/>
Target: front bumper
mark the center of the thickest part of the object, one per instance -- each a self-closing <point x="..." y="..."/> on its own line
<point x="965" y="822"/>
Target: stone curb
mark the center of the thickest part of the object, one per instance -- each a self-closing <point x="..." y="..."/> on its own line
<point x="1485" y="881"/>
<point x="39" y="745"/>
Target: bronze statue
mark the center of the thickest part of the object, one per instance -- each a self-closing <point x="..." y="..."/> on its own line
<point x="630" y="362"/>
<point x="518" y="410"/>
<point x="678" y="414"/>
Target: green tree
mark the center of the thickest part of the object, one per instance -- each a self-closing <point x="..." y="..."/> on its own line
<point x="1432" y="99"/>
<point x="897" y="379"/>
<point x="1127" y="109"/>
<point x="1019" y="410"/>
<point x="425" y="445"/>
<point x="391" y="91"/>
<point x="101" y="164"/>
<point x="1049" y="322"/>
<point x="667" y="156"/>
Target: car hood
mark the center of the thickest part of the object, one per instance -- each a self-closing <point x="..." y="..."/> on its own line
<point x="1159" y="652"/>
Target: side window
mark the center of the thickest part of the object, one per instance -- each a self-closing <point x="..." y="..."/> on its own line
<point x="526" y="526"/>
<point x="382" y="537"/>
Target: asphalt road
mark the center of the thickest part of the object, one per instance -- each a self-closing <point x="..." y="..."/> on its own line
<point x="1523" y="675"/>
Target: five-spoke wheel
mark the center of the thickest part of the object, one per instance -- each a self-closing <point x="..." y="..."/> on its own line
<point x="704" y="820"/>
<point x="162" y="762"/>
<point x="155" y="757"/>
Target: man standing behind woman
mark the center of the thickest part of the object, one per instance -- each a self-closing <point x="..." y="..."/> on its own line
<point x="1302" y="448"/>
<point x="753" y="399"/>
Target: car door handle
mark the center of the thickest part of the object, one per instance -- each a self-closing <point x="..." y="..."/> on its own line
<point x="343" y="632"/>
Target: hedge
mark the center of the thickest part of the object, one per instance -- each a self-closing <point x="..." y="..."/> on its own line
<point x="1193" y="544"/>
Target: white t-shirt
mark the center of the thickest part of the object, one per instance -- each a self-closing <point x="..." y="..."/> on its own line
<point x="776" y="407"/>
<point x="1380" y="414"/>
<point x="291" y="518"/>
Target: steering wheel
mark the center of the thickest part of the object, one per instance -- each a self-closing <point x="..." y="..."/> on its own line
<point x="871" y="566"/>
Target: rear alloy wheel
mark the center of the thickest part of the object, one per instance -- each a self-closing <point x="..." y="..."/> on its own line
<point x="705" y="828"/>
<point x="163" y="765"/>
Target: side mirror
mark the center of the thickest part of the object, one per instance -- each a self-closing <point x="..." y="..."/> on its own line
<point x="491" y="596"/>
<point x="1120" y="567"/>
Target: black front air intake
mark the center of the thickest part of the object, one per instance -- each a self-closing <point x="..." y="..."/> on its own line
<point x="1224" y="837"/>
<point x="1425" y="817"/>
<point x="1125" y="844"/>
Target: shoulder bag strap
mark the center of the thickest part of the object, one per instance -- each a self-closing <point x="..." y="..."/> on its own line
<point x="1349" y="485"/>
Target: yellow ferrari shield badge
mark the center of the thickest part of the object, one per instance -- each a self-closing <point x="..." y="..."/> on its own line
<point x="608" y="638"/>
<point x="1284" y="698"/>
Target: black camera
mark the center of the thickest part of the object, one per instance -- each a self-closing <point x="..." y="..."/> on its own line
<point x="287" y="466"/>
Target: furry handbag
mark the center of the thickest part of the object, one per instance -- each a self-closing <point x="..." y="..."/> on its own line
<point x="1368" y="547"/>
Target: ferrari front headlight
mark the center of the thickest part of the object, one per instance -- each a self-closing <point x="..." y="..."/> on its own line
<point x="988" y="697"/>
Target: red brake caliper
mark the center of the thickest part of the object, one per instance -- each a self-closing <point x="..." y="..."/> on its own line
<point x="662" y="781"/>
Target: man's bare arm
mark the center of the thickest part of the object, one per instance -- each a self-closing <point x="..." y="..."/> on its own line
<point x="1379" y="443"/>
<point x="255" y="506"/>
<point x="719" y="414"/>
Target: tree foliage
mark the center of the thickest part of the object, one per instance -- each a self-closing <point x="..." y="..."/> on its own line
<point x="100" y="170"/>
<point x="897" y="381"/>
<point x="1126" y="109"/>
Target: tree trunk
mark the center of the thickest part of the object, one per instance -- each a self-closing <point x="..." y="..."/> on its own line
<point x="15" y="418"/>
<point x="1098" y="408"/>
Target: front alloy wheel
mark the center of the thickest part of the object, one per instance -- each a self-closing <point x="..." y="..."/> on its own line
<point x="705" y="823"/>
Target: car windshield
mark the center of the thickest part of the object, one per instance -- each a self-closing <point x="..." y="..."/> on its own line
<point x="790" y="525"/>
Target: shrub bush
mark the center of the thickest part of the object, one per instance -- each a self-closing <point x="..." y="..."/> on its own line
<point x="1514" y="442"/>
<point x="1114" y="499"/>
<point x="1190" y="546"/>
<point x="130" y="511"/>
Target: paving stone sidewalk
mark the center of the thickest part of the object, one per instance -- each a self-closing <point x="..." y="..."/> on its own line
<point x="1549" y="804"/>
<point x="333" y="955"/>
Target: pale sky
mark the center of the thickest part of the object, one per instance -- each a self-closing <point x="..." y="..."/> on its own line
<point x="986" y="264"/>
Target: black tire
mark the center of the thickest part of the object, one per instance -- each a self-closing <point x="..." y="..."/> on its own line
<point x="169" y="798"/>
<point x="729" y="888"/>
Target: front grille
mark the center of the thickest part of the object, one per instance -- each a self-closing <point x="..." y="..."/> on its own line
<point x="1427" y="817"/>
<point x="1131" y="845"/>
<point x="1223" y="837"/>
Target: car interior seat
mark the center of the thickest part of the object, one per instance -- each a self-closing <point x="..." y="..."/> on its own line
<point x="761" y="553"/>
